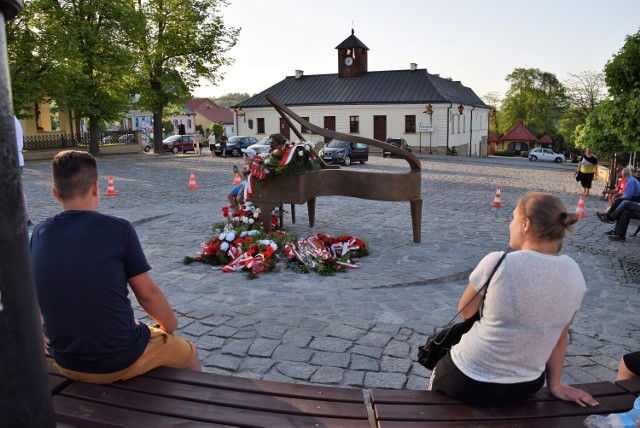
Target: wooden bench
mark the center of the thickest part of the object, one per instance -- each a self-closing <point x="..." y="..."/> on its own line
<point x="171" y="397"/>
<point x="408" y="409"/>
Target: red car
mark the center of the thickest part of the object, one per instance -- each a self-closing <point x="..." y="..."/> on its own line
<point x="178" y="143"/>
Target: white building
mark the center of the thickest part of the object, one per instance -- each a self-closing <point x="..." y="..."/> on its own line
<point x="374" y="104"/>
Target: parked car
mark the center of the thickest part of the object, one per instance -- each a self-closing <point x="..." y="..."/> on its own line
<point x="344" y="152"/>
<point x="399" y="143"/>
<point x="262" y="146"/>
<point x="235" y="145"/>
<point x="546" y="155"/>
<point x="178" y="143"/>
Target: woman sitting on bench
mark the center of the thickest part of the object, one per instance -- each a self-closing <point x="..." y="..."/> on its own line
<point x="529" y="306"/>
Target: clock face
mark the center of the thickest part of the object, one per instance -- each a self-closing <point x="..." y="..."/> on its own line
<point x="348" y="61"/>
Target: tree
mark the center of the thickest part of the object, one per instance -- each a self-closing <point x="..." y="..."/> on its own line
<point x="493" y="100"/>
<point x="585" y="91"/>
<point x="185" y="40"/>
<point x="89" y="51"/>
<point x="231" y="99"/>
<point x="622" y="75"/>
<point x="535" y="96"/>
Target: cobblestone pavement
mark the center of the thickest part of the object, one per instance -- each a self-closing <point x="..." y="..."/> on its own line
<point x="360" y="328"/>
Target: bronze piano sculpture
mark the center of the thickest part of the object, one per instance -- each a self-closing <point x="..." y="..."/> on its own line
<point x="330" y="181"/>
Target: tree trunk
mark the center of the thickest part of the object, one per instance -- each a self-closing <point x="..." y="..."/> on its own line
<point x="158" y="135"/>
<point x="94" y="136"/>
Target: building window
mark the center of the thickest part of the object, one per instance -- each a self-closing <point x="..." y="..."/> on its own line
<point x="260" y="125"/>
<point x="304" y="129"/>
<point x="354" y="124"/>
<point x="410" y="123"/>
<point x="189" y="123"/>
<point x="464" y="124"/>
<point x="458" y="127"/>
<point x="175" y="123"/>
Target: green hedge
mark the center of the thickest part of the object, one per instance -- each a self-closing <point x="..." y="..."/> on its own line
<point x="505" y="152"/>
<point x="524" y="154"/>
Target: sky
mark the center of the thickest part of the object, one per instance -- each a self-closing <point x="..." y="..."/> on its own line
<point x="476" y="42"/>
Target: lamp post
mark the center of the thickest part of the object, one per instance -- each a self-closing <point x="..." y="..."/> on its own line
<point x="429" y="111"/>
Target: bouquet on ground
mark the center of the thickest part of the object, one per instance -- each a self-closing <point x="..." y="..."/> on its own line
<point x="241" y="245"/>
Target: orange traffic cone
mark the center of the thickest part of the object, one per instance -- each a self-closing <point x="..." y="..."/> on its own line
<point x="111" y="190"/>
<point x="192" y="181"/>
<point x="237" y="179"/>
<point x="496" y="200"/>
<point x="580" y="208"/>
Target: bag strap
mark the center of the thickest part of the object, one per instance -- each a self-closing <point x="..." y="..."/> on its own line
<point x="484" y="287"/>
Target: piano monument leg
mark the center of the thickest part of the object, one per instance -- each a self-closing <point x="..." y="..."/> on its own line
<point x="416" y="220"/>
<point x="311" y="209"/>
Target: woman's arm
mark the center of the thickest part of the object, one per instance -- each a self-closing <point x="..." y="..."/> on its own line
<point x="468" y="298"/>
<point x="554" y="374"/>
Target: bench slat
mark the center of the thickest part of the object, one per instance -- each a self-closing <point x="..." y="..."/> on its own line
<point x="522" y="410"/>
<point x="88" y="415"/>
<point x="173" y="407"/>
<point x="392" y="396"/>
<point x="572" y="421"/>
<point x="56" y="383"/>
<point x="246" y="400"/>
<point x="326" y="393"/>
<point x="631" y="385"/>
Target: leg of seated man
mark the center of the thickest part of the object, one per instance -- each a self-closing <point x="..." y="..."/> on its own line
<point x="164" y="349"/>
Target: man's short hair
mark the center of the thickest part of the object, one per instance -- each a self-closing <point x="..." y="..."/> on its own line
<point x="626" y="171"/>
<point x="74" y="172"/>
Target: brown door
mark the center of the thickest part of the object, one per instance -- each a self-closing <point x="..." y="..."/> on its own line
<point x="329" y="123"/>
<point x="380" y="128"/>
<point x="284" y="129"/>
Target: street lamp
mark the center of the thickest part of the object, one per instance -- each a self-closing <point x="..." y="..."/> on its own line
<point x="460" y="109"/>
<point x="429" y="111"/>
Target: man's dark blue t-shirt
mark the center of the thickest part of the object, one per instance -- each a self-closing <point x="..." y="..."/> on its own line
<point x="81" y="261"/>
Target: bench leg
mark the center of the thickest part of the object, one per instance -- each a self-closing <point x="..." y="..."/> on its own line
<point x="416" y="219"/>
<point x="311" y="209"/>
<point x="293" y="213"/>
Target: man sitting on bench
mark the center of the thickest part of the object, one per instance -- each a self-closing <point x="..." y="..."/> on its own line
<point x="622" y="216"/>
<point x="82" y="262"/>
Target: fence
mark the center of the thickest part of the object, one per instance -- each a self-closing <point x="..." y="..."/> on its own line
<point x="68" y="141"/>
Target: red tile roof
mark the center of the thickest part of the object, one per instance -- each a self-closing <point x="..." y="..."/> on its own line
<point x="493" y="138"/>
<point x="207" y="108"/>
<point x="519" y="133"/>
<point x="546" y="140"/>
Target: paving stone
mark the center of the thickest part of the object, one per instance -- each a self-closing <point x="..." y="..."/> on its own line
<point x="237" y="347"/>
<point x="368" y="351"/>
<point x="330" y="344"/>
<point x="196" y="329"/>
<point x="288" y="352"/>
<point x="374" y="339"/>
<point x="359" y="362"/>
<point x="328" y="375"/>
<point x="332" y="359"/>
<point x="209" y="343"/>
<point x="385" y="380"/>
<point x="346" y="332"/>
<point x="397" y="349"/>
<point x="392" y="364"/>
<point x="263" y="347"/>
<point x="297" y="338"/>
<point x="353" y="378"/>
<point x="296" y="370"/>
<point x="257" y="365"/>
<point x="222" y="361"/>
<point x="270" y="331"/>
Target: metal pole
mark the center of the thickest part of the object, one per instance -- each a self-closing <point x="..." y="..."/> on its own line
<point x="25" y="398"/>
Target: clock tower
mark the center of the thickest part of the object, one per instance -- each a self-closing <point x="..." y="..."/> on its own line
<point x="352" y="57"/>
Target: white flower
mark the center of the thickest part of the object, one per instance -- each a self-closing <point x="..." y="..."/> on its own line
<point x="224" y="246"/>
<point x="300" y="153"/>
<point x="256" y="214"/>
<point x="251" y="221"/>
<point x="273" y="245"/>
<point x="231" y="236"/>
<point x="244" y="219"/>
<point x="243" y="234"/>
<point x="223" y="236"/>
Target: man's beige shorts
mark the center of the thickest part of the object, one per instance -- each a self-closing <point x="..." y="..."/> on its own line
<point x="163" y="349"/>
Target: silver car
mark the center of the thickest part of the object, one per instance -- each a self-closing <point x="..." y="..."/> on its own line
<point x="540" y="153"/>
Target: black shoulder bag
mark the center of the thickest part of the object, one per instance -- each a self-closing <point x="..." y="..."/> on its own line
<point x="440" y="342"/>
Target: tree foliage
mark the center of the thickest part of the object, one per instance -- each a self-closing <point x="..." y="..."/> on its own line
<point x="535" y="96"/>
<point x="83" y="52"/>
<point x="231" y="99"/>
<point x="585" y="91"/>
<point x="185" y="40"/>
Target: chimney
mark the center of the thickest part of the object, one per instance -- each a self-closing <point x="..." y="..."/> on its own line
<point x="413" y="66"/>
<point x="299" y="74"/>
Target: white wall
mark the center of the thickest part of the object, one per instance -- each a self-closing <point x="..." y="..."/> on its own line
<point x="395" y="122"/>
